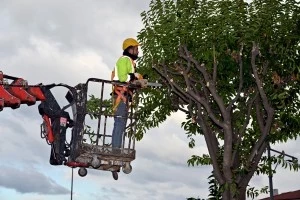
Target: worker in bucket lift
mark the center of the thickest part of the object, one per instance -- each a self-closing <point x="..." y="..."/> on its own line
<point x="124" y="72"/>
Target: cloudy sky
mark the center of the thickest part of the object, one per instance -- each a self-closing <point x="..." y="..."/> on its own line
<point x="68" y="42"/>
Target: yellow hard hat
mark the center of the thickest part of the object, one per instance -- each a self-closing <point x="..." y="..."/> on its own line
<point x="129" y="42"/>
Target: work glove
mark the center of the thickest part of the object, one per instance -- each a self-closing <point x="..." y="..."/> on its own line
<point x="132" y="76"/>
<point x="135" y="76"/>
<point x="145" y="76"/>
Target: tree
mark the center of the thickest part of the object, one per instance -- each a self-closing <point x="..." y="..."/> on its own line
<point x="233" y="68"/>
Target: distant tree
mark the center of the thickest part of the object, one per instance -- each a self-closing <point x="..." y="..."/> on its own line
<point x="233" y="68"/>
<point x="192" y="198"/>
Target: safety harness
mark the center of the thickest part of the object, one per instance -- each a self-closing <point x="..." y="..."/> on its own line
<point x="122" y="92"/>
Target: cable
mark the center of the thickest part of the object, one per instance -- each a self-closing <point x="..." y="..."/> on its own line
<point x="72" y="185"/>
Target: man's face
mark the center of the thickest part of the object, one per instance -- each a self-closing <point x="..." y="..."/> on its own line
<point x="134" y="50"/>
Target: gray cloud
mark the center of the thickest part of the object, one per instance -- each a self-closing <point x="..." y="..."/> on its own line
<point x="158" y="171"/>
<point x="67" y="41"/>
<point x="115" y="191"/>
<point x="71" y="25"/>
<point x="15" y="126"/>
<point x="20" y="137"/>
<point x="29" y="181"/>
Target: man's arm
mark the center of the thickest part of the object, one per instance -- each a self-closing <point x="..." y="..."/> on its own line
<point x="123" y="66"/>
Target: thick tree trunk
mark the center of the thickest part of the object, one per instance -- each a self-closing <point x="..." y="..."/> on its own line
<point x="242" y="193"/>
<point x="235" y="195"/>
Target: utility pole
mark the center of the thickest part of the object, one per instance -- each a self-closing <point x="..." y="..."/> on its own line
<point x="294" y="159"/>
<point x="270" y="173"/>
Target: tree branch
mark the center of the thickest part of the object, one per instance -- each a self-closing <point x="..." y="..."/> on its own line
<point x="259" y="115"/>
<point x="244" y="180"/>
<point x="243" y="130"/>
<point x="166" y="77"/>
<point x="265" y="128"/>
<point x="212" y="146"/>
<point x="240" y="61"/>
<point x="215" y="66"/>
<point x="209" y="83"/>
<point x="255" y="52"/>
<point x="207" y="108"/>
<point x="195" y="94"/>
<point x="189" y="94"/>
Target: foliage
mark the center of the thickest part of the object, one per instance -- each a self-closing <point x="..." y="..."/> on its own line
<point x="263" y="167"/>
<point x="233" y="68"/>
<point x="91" y="134"/>
<point x="95" y="107"/>
<point x="214" y="188"/>
<point x="197" y="160"/>
<point x="253" y="193"/>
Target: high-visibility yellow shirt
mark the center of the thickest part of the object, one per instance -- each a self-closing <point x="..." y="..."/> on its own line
<point x="124" y="66"/>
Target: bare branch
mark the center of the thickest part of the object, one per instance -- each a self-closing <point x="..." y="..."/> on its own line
<point x="243" y="130"/>
<point x="255" y="52"/>
<point x="182" y="51"/>
<point x="189" y="94"/>
<point x="240" y="61"/>
<point x="259" y="114"/>
<point x="203" y="85"/>
<point x="187" y="56"/>
<point x="248" y="115"/>
<point x="169" y="80"/>
<point x="207" y="108"/>
<point x="183" y="110"/>
<point x="266" y="126"/>
<point x="212" y="146"/>
<point x="186" y="79"/>
<point x="262" y="139"/>
<point x="209" y="83"/>
<point x="215" y="66"/>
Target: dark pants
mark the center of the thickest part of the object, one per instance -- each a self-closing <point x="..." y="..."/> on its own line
<point x="119" y="124"/>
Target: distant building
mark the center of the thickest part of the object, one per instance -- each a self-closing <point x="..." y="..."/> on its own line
<point x="294" y="195"/>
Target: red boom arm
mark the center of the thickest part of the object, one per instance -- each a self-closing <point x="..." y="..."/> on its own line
<point x="18" y="92"/>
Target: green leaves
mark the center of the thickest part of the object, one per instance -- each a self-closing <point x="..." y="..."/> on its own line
<point x="276" y="161"/>
<point x="94" y="106"/>
<point x="199" y="160"/>
<point x="202" y="51"/>
<point x="214" y="188"/>
<point x="213" y="32"/>
<point x="91" y="134"/>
